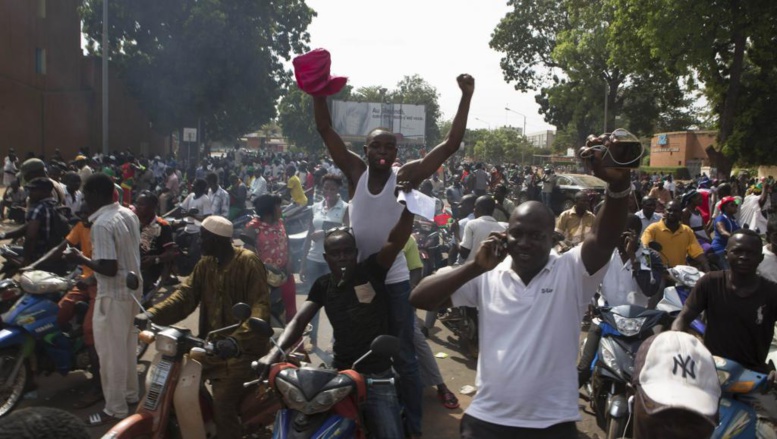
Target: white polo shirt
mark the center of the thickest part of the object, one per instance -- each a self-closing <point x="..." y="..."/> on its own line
<point x="529" y="336"/>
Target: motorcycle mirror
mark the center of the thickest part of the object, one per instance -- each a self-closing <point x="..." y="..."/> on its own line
<point x="655" y="246"/>
<point x="133" y="281"/>
<point x="385" y="345"/>
<point x="260" y="326"/>
<point x="241" y="311"/>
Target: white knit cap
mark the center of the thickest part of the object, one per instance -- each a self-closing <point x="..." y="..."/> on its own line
<point x="218" y="225"/>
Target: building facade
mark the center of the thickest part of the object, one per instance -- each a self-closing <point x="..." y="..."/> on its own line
<point x="50" y="93"/>
<point x="542" y="139"/>
<point x="682" y="148"/>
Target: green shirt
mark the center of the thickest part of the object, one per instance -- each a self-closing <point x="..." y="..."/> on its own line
<point x="216" y="290"/>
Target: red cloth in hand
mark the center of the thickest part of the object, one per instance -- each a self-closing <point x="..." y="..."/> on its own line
<point x="312" y="73"/>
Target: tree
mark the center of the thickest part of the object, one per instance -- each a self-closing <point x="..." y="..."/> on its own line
<point x="503" y="145"/>
<point x="562" y="48"/>
<point x="295" y="116"/>
<point x="725" y="45"/>
<point x="415" y="90"/>
<point x="214" y="61"/>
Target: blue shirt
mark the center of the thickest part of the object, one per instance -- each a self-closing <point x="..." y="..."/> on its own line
<point x="719" y="242"/>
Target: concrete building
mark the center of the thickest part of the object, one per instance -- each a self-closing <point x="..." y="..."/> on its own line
<point x="50" y="93"/>
<point x="681" y="148"/>
<point x="542" y="139"/>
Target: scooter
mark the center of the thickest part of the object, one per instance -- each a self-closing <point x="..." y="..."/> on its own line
<point x="32" y="342"/>
<point x="624" y="328"/>
<point x="322" y="403"/>
<point x="737" y="419"/>
<point x="176" y="404"/>
<point x="685" y="278"/>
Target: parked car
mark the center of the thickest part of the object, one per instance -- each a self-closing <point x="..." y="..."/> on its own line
<point x="567" y="186"/>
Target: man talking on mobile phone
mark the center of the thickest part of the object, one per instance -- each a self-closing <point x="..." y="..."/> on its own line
<point x="531" y="303"/>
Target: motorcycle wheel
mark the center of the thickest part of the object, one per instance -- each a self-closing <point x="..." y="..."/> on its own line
<point x="616" y="428"/>
<point x="11" y="396"/>
<point x="468" y="337"/>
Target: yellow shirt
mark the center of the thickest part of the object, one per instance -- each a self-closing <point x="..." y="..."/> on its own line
<point x="79" y="236"/>
<point x="574" y="227"/>
<point x="412" y="255"/>
<point x="295" y="189"/>
<point x="675" y="245"/>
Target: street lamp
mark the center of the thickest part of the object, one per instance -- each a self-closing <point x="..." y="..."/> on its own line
<point x="524" y="119"/>
<point x="483" y="121"/>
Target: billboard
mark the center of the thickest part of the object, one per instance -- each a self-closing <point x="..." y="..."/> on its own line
<point x="357" y="119"/>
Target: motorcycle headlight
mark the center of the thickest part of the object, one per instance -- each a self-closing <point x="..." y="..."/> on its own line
<point x="326" y="399"/>
<point x="292" y="396"/>
<point x="166" y="345"/>
<point x="629" y="326"/>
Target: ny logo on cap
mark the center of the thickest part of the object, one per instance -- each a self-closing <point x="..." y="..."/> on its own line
<point x="687" y="365"/>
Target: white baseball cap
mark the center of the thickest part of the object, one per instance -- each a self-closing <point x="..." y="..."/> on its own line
<point x="674" y="370"/>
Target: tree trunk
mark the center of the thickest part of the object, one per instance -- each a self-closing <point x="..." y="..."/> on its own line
<point x="721" y="161"/>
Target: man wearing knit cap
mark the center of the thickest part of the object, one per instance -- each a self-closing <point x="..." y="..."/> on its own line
<point x="225" y="275"/>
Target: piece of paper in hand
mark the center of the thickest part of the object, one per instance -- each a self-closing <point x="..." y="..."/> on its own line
<point x="418" y="203"/>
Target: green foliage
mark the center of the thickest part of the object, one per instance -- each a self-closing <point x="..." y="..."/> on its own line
<point x="562" y="48"/>
<point x="218" y="61"/>
<point x="727" y="47"/>
<point x="678" y="172"/>
<point x="503" y="145"/>
<point x="295" y="116"/>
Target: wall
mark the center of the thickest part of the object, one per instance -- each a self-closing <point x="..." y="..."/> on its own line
<point x="682" y="148"/>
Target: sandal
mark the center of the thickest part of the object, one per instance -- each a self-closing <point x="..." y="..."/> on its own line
<point x="448" y="399"/>
<point x="100" y="418"/>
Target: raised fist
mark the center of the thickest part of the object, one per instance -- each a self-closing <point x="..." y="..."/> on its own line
<point x="466" y="83"/>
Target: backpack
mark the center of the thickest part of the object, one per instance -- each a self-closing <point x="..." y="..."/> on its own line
<point x="59" y="227"/>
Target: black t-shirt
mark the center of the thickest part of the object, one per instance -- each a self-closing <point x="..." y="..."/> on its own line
<point x="358" y="313"/>
<point x="738" y="328"/>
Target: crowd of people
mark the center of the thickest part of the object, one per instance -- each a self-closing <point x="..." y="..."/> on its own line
<point x="516" y="262"/>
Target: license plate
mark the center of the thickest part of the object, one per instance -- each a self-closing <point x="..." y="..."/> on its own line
<point x="158" y="382"/>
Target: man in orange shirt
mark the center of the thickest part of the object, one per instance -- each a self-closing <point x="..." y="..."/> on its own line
<point x="84" y="291"/>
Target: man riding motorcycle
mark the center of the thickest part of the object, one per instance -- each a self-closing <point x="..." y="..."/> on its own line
<point x="223" y="277"/>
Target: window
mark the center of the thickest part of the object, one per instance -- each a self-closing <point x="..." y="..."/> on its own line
<point x="41" y="8"/>
<point x="40" y="61"/>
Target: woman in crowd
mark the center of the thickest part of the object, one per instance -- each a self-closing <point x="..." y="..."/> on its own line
<point x="724" y="225"/>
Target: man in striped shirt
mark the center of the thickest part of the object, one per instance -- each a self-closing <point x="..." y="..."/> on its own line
<point x="115" y="237"/>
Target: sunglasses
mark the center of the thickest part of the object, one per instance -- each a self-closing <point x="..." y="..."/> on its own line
<point x="345" y="229"/>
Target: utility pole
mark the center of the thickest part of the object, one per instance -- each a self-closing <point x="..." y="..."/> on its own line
<point x="105" y="77"/>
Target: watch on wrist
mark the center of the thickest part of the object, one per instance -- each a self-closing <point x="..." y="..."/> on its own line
<point x="621" y="194"/>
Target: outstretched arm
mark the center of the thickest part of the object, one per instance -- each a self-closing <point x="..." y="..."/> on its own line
<point x="419" y="170"/>
<point x="351" y="164"/>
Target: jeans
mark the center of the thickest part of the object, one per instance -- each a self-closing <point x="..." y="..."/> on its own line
<point x="313" y="270"/>
<point x="429" y="371"/>
<point x="588" y="354"/>
<point x="473" y="428"/>
<point x="546" y="198"/>
<point x="401" y="325"/>
<point x="381" y="410"/>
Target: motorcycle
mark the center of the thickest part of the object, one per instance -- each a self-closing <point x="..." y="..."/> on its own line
<point x="322" y="403"/>
<point x="624" y="328"/>
<point x="738" y="419"/>
<point x="427" y="236"/>
<point x="31" y="341"/>
<point x="176" y="404"/>
<point x="685" y="278"/>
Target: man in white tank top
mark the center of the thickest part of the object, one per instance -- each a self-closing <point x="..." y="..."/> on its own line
<point x="374" y="210"/>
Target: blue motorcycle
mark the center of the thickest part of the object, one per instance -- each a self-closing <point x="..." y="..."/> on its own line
<point x="30" y="336"/>
<point x="738" y="418"/>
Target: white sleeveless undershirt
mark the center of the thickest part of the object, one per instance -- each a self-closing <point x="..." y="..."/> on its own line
<point x="372" y="218"/>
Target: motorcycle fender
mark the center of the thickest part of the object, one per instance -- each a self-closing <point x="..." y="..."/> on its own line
<point x="137" y="425"/>
<point x="190" y="420"/>
<point x="14" y="336"/>
<point x="619" y="407"/>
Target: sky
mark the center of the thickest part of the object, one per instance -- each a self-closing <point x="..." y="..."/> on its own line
<point x="378" y="43"/>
